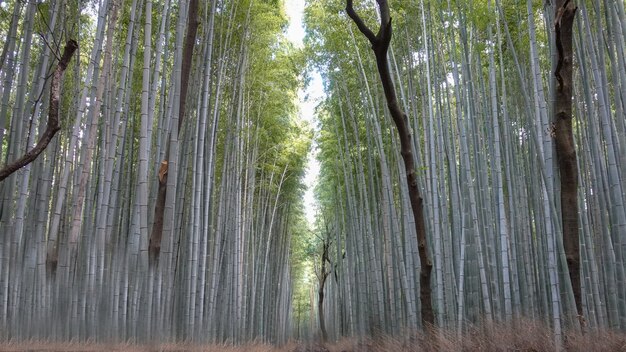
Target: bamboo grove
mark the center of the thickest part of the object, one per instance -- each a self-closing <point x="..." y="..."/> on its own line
<point x="168" y="205"/>
<point x="477" y="82"/>
<point x="76" y="224"/>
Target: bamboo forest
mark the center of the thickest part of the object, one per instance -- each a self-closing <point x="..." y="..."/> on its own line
<point x="313" y="175"/>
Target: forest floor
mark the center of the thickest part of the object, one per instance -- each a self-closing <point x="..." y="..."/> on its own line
<point x="523" y="337"/>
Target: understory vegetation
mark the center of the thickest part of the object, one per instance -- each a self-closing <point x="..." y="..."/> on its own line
<point x="522" y="336"/>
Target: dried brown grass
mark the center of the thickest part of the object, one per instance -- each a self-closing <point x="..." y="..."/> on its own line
<point x="180" y="347"/>
<point x="522" y="336"/>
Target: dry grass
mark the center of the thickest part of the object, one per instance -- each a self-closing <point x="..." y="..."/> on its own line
<point x="518" y="337"/>
<point x="93" y="347"/>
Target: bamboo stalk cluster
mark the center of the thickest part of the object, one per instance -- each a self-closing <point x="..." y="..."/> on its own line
<point x="75" y="223"/>
<point x="193" y="137"/>
<point x="476" y="80"/>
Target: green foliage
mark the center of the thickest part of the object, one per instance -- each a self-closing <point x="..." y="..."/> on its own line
<point x="302" y="275"/>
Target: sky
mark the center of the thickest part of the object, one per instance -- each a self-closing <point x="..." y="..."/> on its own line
<point x="295" y="12"/>
<point x="308" y="98"/>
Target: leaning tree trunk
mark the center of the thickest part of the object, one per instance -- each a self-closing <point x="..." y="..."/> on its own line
<point x="190" y="39"/>
<point x="53" y="125"/>
<point x="565" y="147"/>
<point x="380" y="44"/>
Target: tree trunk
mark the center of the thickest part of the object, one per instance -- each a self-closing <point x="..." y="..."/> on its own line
<point x="380" y="44"/>
<point x="159" y="210"/>
<point x="565" y="147"/>
<point x="320" y="291"/>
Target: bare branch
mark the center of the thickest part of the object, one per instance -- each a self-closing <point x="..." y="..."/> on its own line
<point x="360" y="24"/>
<point x="52" y="126"/>
<point x="51" y="31"/>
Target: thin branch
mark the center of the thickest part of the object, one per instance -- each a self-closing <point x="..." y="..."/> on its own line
<point x="52" y="50"/>
<point x="51" y="31"/>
